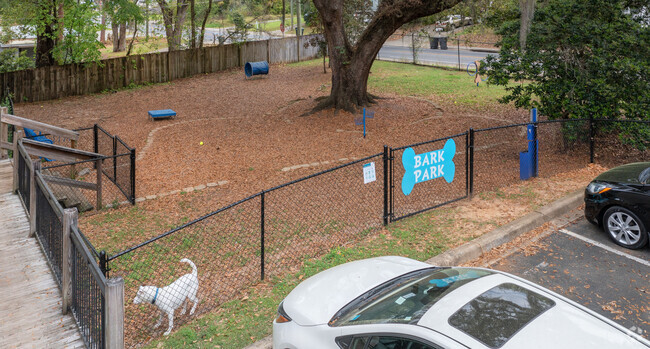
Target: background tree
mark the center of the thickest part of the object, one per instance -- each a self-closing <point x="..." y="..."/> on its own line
<point x="77" y="40"/>
<point x="65" y="30"/>
<point x="10" y="60"/>
<point x="174" y="19"/>
<point x="352" y="56"/>
<point x="121" y="13"/>
<point x="583" y="58"/>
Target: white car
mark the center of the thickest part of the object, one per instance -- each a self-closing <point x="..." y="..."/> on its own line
<point x="400" y="303"/>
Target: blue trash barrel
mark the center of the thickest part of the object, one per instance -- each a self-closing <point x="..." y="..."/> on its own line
<point x="256" y="68"/>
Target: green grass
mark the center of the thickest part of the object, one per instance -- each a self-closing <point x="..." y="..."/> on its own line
<point x="422" y="81"/>
<point x="414" y="80"/>
<point x="243" y="321"/>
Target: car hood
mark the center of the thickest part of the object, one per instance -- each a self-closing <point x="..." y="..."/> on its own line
<point x="317" y="299"/>
<point x="624" y="174"/>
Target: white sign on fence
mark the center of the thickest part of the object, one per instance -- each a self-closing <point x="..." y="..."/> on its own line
<point x="369" y="173"/>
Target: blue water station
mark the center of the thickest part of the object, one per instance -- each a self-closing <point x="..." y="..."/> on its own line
<point x="529" y="160"/>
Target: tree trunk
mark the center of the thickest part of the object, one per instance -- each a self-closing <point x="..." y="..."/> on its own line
<point x="173" y="23"/>
<point x="60" y="15"/>
<point x="351" y="62"/>
<point x="192" y="24"/>
<point x="205" y="20"/>
<point x="527" y="11"/>
<point x="44" y="47"/>
<point x="102" y="33"/>
<point x="122" y="42"/>
<point x="119" y="36"/>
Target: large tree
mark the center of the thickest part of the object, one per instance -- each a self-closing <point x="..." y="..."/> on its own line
<point x="351" y="57"/>
<point x="582" y="58"/>
<point x="174" y="18"/>
<point x="64" y="29"/>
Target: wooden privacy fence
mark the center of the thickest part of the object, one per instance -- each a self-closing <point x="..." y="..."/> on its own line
<point x="45" y="83"/>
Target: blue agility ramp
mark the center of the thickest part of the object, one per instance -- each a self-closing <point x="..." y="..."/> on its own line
<point x="162" y="114"/>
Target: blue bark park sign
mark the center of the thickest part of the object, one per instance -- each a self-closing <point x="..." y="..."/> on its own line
<point x="427" y="166"/>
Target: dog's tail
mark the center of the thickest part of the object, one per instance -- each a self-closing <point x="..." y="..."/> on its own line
<point x="185" y="260"/>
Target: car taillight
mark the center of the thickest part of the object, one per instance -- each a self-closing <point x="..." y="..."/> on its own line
<point x="282" y="315"/>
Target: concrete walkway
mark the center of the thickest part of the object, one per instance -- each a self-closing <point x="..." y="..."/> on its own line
<point x="30" y="299"/>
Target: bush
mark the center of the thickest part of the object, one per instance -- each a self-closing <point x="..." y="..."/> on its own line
<point x="10" y="60"/>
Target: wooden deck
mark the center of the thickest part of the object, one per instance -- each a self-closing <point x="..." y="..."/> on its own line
<point x="30" y="300"/>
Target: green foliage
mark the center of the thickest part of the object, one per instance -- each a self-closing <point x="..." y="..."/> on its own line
<point x="10" y="60"/>
<point x="79" y="42"/>
<point x="123" y="11"/>
<point x="583" y="58"/>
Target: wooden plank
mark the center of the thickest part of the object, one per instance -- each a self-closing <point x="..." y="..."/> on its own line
<point x="30" y="311"/>
<point x="39" y="126"/>
<point x="70" y="182"/>
<point x="57" y="152"/>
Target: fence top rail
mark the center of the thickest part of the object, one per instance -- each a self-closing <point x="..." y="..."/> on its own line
<point x="38" y="126"/>
<point x="623" y="120"/>
<point x="102" y="157"/>
<point x="117" y="138"/>
<point x="179" y="228"/>
<point x="431" y="141"/>
<point x="323" y="172"/>
<point x="79" y="243"/>
<point x="502" y="127"/>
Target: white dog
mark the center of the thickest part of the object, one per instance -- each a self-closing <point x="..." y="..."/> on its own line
<point x="169" y="298"/>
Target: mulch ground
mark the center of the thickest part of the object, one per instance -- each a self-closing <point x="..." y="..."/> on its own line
<point x="251" y="129"/>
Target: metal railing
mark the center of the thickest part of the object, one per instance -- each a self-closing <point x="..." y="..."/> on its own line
<point x="96" y="303"/>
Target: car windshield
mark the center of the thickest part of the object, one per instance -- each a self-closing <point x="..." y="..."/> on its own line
<point x="406" y="298"/>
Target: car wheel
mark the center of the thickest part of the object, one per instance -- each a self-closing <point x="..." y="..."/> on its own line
<point x="625" y="228"/>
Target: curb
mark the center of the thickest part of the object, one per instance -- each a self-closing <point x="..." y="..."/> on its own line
<point x="508" y="232"/>
<point x="488" y="50"/>
<point x="475" y="248"/>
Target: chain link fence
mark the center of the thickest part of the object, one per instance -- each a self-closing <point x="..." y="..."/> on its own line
<point x="207" y="262"/>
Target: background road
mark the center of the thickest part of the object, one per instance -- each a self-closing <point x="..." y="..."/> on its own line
<point x="432" y="57"/>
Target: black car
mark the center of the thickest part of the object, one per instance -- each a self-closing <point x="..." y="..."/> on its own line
<point x="619" y="201"/>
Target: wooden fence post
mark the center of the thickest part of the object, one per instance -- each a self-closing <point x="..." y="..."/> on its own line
<point x="70" y="219"/>
<point x="36" y="166"/>
<point x="99" y="183"/>
<point x="114" y="314"/>
<point x="4" y="133"/>
<point x="268" y="51"/>
<point x="18" y="135"/>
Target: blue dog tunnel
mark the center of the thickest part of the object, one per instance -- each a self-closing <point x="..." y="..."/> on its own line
<point x="256" y="68"/>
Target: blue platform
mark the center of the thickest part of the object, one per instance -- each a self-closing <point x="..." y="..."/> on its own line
<point x="162" y="114"/>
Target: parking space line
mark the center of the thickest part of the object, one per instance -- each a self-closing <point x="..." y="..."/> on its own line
<point x="605" y="247"/>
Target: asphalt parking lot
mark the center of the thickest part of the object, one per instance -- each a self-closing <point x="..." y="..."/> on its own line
<point x="579" y="261"/>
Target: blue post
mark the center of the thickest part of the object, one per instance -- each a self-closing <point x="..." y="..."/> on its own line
<point x="364" y="122"/>
<point x="528" y="160"/>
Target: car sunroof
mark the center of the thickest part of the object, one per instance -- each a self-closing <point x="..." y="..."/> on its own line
<point x="499" y="313"/>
